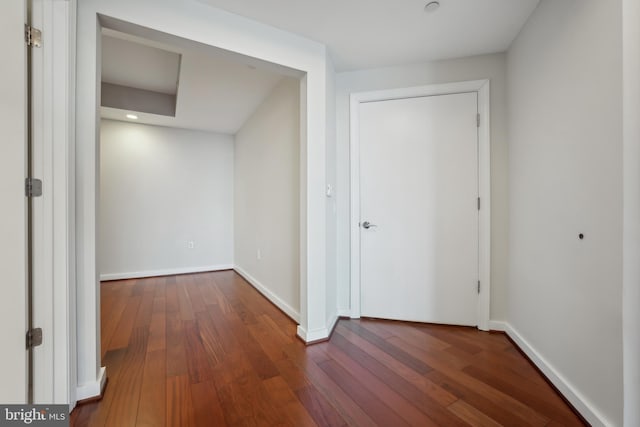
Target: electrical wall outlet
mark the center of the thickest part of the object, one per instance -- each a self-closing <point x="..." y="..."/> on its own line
<point x="190" y="244"/>
<point x="258" y="254"/>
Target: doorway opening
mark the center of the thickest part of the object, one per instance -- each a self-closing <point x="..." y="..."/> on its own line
<point x="199" y="171"/>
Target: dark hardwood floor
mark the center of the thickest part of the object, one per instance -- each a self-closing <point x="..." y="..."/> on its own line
<point x="208" y="350"/>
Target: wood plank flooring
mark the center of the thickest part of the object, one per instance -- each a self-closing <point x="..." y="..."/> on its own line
<point x="209" y="350"/>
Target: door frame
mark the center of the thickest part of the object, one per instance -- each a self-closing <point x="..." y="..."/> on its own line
<point x="482" y="88"/>
<point x="53" y="220"/>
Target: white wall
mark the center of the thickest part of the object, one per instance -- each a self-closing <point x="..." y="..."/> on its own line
<point x="195" y="21"/>
<point x="13" y="357"/>
<point x="267" y="197"/>
<point x="161" y="188"/>
<point x="332" y="205"/>
<point x="474" y="68"/>
<point x="631" y="167"/>
<point x="565" y="178"/>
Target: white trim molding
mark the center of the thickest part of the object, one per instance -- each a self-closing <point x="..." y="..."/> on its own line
<point x="344" y="312"/>
<point x="579" y="402"/>
<point x="165" y="272"/>
<point x="482" y="88"/>
<point x="268" y="294"/>
<point x="53" y="87"/>
<point x="92" y="389"/>
<point x="497" y="325"/>
<point x="313" y="336"/>
<point x="220" y="32"/>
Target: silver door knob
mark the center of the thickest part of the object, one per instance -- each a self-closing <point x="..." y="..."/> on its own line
<point x="367" y="225"/>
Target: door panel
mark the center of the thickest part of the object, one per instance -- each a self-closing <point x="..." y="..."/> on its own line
<point x="13" y="234"/>
<point x="419" y="186"/>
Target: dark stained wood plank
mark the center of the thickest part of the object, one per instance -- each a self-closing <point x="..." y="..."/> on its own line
<point x="250" y="403"/>
<point x="143" y="317"/>
<point x="96" y="413"/>
<point x="200" y="370"/>
<point x="284" y="398"/>
<point x="124" y="408"/>
<point x="171" y="295"/>
<point x="109" y="321"/>
<point x="457" y="339"/>
<point x="375" y="326"/>
<point x="412" y="334"/>
<point x="175" y="344"/>
<point x="194" y="294"/>
<point x="122" y="333"/>
<point x="207" y="410"/>
<point x="271" y="347"/>
<point x="398" y="354"/>
<point x="157" y="331"/>
<point x="384" y="390"/>
<point x="184" y="302"/>
<point x="528" y="394"/>
<point x="471" y="415"/>
<point x="435" y="359"/>
<point x="208" y="349"/>
<point x="411" y="393"/>
<point x="210" y="339"/>
<point x="179" y="405"/>
<point x="219" y="319"/>
<point x="499" y="408"/>
<point x="329" y="389"/>
<point x="319" y="408"/>
<point x="153" y="394"/>
<point x="438" y="394"/>
<point x="378" y="410"/>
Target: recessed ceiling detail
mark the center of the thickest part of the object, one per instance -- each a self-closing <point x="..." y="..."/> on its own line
<point x="132" y="64"/>
<point x="170" y="81"/>
<point x="137" y="77"/>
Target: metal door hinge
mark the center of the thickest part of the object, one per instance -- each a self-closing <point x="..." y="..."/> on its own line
<point x="34" y="337"/>
<point x="478" y="286"/>
<point x="478" y="203"/>
<point x="33" y="187"/>
<point x="478" y="119"/>
<point x="32" y="36"/>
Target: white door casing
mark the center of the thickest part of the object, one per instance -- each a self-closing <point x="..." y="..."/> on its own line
<point x="53" y="280"/>
<point x="419" y="185"/>
<point x="481" y="88"/>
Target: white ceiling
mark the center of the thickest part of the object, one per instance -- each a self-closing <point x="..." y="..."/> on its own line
<point x="215" y="93"/>
<point x="219" y="90"/>
<point x="378" y="33"/>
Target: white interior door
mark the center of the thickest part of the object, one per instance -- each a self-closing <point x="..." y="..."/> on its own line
<point x="419" y="192"/>
<point x="13" y="231"/>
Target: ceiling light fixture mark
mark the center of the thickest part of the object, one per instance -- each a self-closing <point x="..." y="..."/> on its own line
<point x="132" y="117"/>
<point x="432" y="6"/>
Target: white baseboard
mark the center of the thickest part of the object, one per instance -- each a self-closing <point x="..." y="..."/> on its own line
<point x="333" y="320"/>
<point x="592" y="415"/>
<point x="313" y="335"/>
<point x="94" y="388"/>
<point x="497" y="325"/>
<point x="276" y="300"/>
<point x="320" y="334"/>
<point x="344" y="312"/>
<point x="165" y="272"/>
